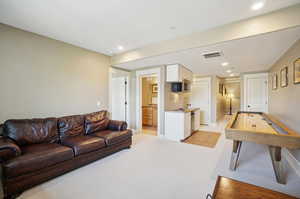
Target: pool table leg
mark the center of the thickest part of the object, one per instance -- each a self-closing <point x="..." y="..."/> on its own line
<point x="275" y="153"/>
<point x="235" y="154"/>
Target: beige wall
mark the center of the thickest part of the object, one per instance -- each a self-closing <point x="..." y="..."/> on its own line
<point x="220" y="100"/>
<point x="284" y="102"/>
<point x="41" y="77"/>
<point x="215" y="99"/>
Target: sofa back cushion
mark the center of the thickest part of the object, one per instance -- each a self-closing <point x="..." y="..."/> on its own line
<point x="97" y="121"/>
<point x="71" y="126"/>
<point x="31" y="131"/>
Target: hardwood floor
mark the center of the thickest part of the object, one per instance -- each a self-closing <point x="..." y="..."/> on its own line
<point x="149" y="130"/>
<point x="227" y="188"/>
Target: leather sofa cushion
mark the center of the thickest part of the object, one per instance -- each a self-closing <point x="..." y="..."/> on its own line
<point x="115" y="125"/>
<point x="84" y="144"/>
<point x="35" y="157"/>
<point x="71" y="126"/>
<point x="31" y="131"/>
<point x="113" y="137"/>
<point x="96" y="122"/>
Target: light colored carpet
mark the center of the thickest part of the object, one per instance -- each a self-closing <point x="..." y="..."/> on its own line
<point x="162" y="169"/>
<point x="204" y="138"/>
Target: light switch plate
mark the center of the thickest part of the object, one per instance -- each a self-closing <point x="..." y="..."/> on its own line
<point x="98" y="104"/>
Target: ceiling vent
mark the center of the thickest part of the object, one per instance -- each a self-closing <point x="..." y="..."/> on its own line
<point x="212" y="55"/>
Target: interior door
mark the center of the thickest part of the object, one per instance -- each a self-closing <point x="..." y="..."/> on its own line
<point x="256" y="99"/>
<point x="200" y="98"/>
<point x="119" y="104"/>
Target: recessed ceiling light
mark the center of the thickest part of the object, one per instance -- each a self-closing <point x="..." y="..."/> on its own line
<point x="228" y="71"/>
<point x="120" y="47"/>
<point x="231" y="75"/>
<point x="258" y="5"/>
<point x="225" y="64"/>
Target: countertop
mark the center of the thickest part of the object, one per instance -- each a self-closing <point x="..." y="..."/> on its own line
<point x="184" y="110"/>
<point x="150" y="106"/>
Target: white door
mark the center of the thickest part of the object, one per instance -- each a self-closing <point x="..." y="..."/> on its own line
<point x="119" y="104"/>
<point x="256" y="91"/>
<point x="200" y="98"/>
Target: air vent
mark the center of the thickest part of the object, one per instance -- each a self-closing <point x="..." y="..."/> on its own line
<point x="212" y="55"/>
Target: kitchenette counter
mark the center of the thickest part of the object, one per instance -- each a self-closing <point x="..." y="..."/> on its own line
<point x="180" y="123"/>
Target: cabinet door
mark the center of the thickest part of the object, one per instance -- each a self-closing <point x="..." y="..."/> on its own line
<point x="186" y="74"/>
<point x="147" y="116"/>
<point x="187" y="125"/>
<point x="154" y="116"/>
<point x="173" y="73"/>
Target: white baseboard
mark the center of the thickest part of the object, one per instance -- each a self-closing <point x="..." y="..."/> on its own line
<point x="293" y="162"/>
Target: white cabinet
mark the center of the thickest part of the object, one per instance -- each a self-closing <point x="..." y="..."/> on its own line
<point x="173" y="73"/>
<point x="177" y="125"/>
<point x="187" y="125"/>
<point x="178" y="73"/>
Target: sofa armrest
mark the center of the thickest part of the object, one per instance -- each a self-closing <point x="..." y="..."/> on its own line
<point x="115" y="125"/>
<point x="8" y="149"/>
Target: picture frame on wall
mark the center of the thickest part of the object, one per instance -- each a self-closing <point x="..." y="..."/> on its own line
<point x="284" y="77"/>
<point x="154" y="88"/>
<point x="297" y="71"/>
<point x="274" y="81"/>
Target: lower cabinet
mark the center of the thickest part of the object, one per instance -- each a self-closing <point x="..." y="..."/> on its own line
<point x="149" y="114"/>
<point x="177" y="125"/>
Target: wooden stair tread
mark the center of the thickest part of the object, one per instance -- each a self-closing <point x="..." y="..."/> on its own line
<point x="227" y="188"/>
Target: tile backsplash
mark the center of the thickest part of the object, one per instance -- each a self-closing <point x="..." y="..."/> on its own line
<point x="175" y="100"/>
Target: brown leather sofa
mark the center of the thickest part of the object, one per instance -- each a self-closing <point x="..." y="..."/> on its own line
<point x="33" y="151"/>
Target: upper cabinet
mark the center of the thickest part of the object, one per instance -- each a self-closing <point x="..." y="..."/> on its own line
<point x="178" y="73"/>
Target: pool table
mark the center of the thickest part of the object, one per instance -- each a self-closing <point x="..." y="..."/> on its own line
<point x="261" y="128"/>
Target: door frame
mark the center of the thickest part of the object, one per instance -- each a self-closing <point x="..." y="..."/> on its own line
<point x="139" y="75"/>
<point x="209" y="81"/>
<point x="245" y="89"/>
<point x="126" y="75"/>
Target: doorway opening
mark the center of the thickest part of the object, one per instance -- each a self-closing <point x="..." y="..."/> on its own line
<point x="149" y="94"/>
<point x="231" y="94"/>
<point x="201" y="97"/>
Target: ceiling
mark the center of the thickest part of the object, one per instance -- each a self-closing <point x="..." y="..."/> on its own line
<point x="102" y="26"/>
<point x="252" y="54"/>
